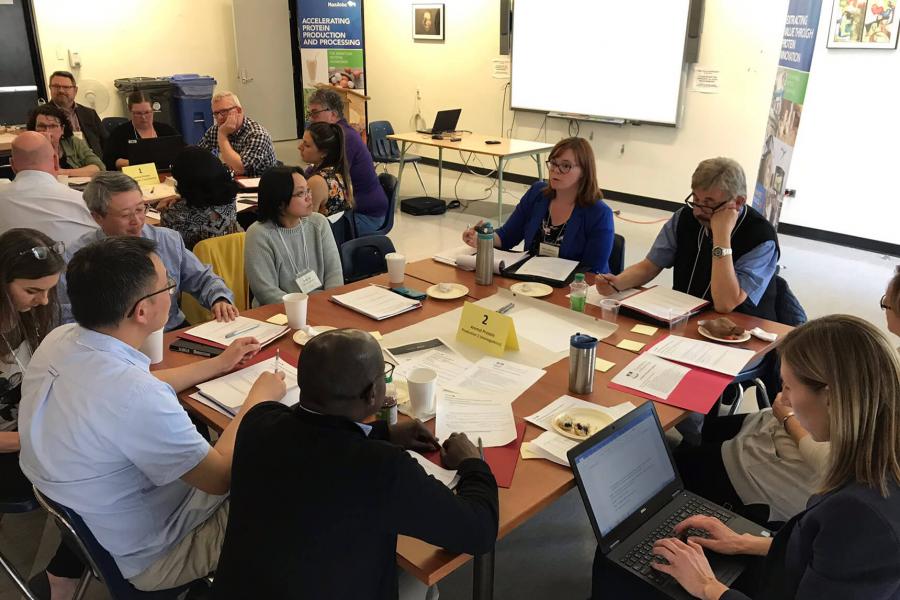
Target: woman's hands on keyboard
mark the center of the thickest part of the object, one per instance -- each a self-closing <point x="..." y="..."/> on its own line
<point x="689" y="566"/>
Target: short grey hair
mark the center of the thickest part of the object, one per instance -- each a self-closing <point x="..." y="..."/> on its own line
<point x="225" y="94"/>
<point x="722" y="173"/>
<point x="103" y="186"/>
<point x="330" y="100"/>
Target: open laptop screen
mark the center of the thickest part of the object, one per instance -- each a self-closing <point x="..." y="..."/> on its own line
<point x="623" y="472"/>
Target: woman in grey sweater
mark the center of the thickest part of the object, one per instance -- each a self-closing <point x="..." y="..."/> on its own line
<point x="291" y="248"/>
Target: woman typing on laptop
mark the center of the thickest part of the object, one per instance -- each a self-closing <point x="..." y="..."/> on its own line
<point x="140" y="127"/>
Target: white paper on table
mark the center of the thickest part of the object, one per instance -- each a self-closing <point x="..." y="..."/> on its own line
<point x="446" y="476"/>
<point x="478" y="416"/>
<point x="548" y="267"/>
<point x="248" y="182"/>
<point x="594" y="297"/>
<point x="244" y="205"/>
<point x="544" y="417"/>
<point x="78" y="180"/>
<point x="215" y="331"/>
<point x="658" y="301"/>
<point x="651" y="374"/>
<point x="231" y="390"/>
<point x="707" y="355"/>
<point x="153" y="213"/>
<point x="448" y="365"/>
<point x="448" y="257"/>
<point x="376" y="302"/>
<point x="505" y="257"/>
<point x="498" y="377"/>
<point x="247" y="196"/>
<point x="544" y="329"/>
<point x="553" y="447"/>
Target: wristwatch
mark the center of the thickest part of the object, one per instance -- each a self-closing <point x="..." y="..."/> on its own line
<point x="719" y="252"/>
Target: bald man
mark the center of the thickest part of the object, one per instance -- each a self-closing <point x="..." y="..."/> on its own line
<point x="35" y="199"/>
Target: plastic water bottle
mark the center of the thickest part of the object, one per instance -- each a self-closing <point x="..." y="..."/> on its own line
<point x="484" y="255"/>
<point x="578" y="293"/>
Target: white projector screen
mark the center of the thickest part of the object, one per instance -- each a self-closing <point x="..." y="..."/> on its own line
<point x="606" y="58"/>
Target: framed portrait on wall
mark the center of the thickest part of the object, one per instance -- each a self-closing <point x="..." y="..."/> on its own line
<point x="863" y="24"/>
<point x="428" y="21"/>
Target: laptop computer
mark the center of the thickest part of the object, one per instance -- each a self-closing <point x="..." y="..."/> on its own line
<point x="444" y="121"/>
<point x="634" y="496"/>
<point x="159" y="150"/>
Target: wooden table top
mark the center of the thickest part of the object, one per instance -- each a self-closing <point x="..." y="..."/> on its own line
<point x="475" y="142"/>
<point x="537" y="483"/>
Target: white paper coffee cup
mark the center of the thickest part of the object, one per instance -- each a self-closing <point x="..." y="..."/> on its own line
<point x="295" y="309"/>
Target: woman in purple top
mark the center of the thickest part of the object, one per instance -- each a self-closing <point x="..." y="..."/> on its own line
<point x="369" y="198"/>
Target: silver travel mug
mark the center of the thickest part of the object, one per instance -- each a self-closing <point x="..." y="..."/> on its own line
<point x="582" y="354"/>
<point x="484" y="255"/>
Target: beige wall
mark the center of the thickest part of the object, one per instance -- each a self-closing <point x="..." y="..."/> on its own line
<point x="741" y="38"/>
<point x="136" y="38"/>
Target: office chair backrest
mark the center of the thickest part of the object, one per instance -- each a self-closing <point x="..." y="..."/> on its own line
<point x="343" y="229"/>
<point x="788" y="309"/>
<point x="110" y="123"/>
<point x="617" y="255"/>
<point x="389" y="185"/>
<point x="364" y="257"/>
<point x="381" y="147"/>
<point x="226" y="255"/>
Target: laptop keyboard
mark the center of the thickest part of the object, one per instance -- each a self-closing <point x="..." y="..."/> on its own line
<point x="640" y="557"/>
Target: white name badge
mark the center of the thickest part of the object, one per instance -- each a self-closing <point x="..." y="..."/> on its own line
<point x="79" y="135"/>
<point x="308" y="281"/>
<point x="548" y="250"/>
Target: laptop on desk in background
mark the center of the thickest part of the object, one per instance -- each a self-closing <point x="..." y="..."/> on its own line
<point x="634" y="496"/>
<point x="445" y="121"/>
<point x="159" y="150"/>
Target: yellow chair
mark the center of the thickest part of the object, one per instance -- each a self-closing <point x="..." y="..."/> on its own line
<point x="226" y="255"/>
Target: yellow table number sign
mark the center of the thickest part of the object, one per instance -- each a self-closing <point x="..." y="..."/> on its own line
<point x="145" y="175"/>
<point x="487" y="330"/>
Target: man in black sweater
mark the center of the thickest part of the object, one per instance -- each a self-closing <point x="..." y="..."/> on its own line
<point x="318" y="498"/>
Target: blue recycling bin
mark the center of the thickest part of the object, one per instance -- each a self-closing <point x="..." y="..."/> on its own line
<point x="192" y="96"/>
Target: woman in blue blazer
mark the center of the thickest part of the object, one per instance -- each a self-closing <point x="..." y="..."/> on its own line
<point x="842" y="381"/>
<point x="565" y="218"/>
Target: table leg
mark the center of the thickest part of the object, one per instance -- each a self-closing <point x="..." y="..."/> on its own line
<point x="440" y="169"/>
<point x="499" y="191"/>
<point x="537" y="159"/>
<point x="403" y="148"/>
<point x="483" y="576"/>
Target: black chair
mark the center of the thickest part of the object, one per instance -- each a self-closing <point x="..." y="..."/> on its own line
<point x="389" y="184"/>
<point x="364" y="257"/>
<point x="110" y="123"/>
<point x="788" y="309"/>
<point x="617" y="255"/>
<point x="344" y="229"/>
<point x="387" y="151"/>
<point x="17" y="506"/>
<point x="101" y="565"/>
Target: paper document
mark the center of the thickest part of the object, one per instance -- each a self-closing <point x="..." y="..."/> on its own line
<point x="478" y="416"/>
<point x="548" y="267"/>
<point x="445" y="476"/>
<point x="504" y="257"/>
<point x="658" y="301"/>
<point x="335" y="217"/>
<point x="707" y="355"/>
<point x="544" y="417"/>
<point x="544" y="329"/>
<point x="78" y="180"/>
<point x="230" y="391"/>
<point x="553" y="447"/>
<point x="248" y="182"/>
<point x="594" y="297"/>
<point x="225" y="333"/>
<point x="447" y="363"/>
<point x="448" y="257"/>
<point x="244" y="205"/>
<point x="651" y="374"/>
<point x="497" y="377"/>
<point x="376" y="302"/>
<point x="154" y="214"/>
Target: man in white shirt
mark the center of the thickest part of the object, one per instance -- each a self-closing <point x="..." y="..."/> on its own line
<point x="35" y="199"/>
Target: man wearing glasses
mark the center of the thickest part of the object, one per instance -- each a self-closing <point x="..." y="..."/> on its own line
<point x="240" y="142"/>
<point x="85" y="120"/>
<point x="721" y="249"/>
<point x="117" y="205"/>
<point x="103" y="436"/>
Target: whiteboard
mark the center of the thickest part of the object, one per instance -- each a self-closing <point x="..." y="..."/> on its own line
<point x="607" y="58"/>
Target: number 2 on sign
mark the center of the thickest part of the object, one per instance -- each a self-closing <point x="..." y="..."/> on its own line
<point x="484" y="322"/>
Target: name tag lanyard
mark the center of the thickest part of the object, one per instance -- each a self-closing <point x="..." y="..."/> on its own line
<point x="290" y="256"/>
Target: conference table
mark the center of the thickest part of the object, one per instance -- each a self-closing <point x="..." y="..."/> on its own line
<point x="536" y="483"/>
<point x="504" y="150"/>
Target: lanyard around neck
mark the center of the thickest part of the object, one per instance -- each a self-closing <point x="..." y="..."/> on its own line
<point x="290" y="256"/>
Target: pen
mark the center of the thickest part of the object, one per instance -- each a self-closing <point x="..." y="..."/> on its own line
<point x="480" y="448"/>
<point x="240" y="331"/>
<point x="277" y="359"/>
<point x="505" y="309"/>
<point x="610" y="283"/>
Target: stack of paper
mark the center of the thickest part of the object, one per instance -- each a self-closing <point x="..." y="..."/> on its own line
<point x="496" y="377"/>
<point x="653" y="375"/>
<point x="222" y="334"/>
<point x="548" y="267"/>
<point x="658" y="301"/>
<point x="448" y="257"/>
<point x="502" y="259"/>
<point x="706" y="355"/>
<point x="594" y="297"/>
<point x="446" y="362"/>
<point x="230" y="391"/>
<point x="248" y="182"/>
<point x="478" y="416"/>
<point x="376" y="302"/>
<point x="446" y="476"/>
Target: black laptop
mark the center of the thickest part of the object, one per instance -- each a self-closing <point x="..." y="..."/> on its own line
<point x="634" y="496"/>
<point x="159" y="150"/>
<point x="445" y="121"/>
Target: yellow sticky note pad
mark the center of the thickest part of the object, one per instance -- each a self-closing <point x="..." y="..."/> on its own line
<point x="526" y="452"/>
<point x="487" y="330"/>
<point x="277" y="319"/>
<point x="630" y="345"/>
<point x="644" y="329"/>
<point x="603" y="365"/>
<point x="376" y="334"/>
<point x="145" y="175"/>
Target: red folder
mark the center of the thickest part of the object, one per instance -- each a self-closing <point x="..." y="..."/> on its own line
<point x="207" y="342"/>
<point x="698" y="391"/>
<point x="502" y="459"/>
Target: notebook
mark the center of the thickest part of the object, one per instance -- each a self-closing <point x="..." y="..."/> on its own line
<point x="230" y="391"/>
<point x="657" y="301"/>
<point x="376" y="302"/>
<point x="222" y="334"/>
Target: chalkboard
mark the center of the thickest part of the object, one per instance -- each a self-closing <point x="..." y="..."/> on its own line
<point x="20" y="70"/>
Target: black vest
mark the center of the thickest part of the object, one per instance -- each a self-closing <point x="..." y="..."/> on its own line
<point x="693" y="260"/>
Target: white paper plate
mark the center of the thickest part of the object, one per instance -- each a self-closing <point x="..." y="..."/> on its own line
<point x="594" y="420"/>
<point x="457" y="290"/>
<point x="702" y="331"/>
<point x="531" y="288"/>
<point x="301" y="337"/>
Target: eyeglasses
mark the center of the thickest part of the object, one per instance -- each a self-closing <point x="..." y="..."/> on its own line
<point x="137" y="213"/>
<point x="170" y="287"/>
<point x="562" y="167"/>
<point x="224" y="111"/>
<point x="313" y="113"/>
<point x="703" y="207"/>
<point x="303" y="194"/>
<point x="58" y="87"/>
<point x="142" y="113"/>
<point x="46" y="126"/>
<point x="883" y="304"/>
<point x="43" y="252"/>
<point x="389" y="369"/>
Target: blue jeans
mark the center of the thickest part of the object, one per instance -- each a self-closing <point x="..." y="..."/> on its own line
<point x="366" y="224"/>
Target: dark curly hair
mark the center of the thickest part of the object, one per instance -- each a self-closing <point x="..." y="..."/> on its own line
<point x="50" y="110"/>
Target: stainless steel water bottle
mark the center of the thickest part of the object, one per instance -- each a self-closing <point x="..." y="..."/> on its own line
<point x="484" y="255"/>
<point x="582" y="354"/>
